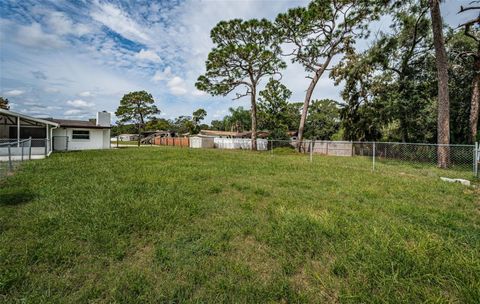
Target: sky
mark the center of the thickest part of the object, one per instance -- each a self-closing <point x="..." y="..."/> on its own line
<point x="71" y="59"/>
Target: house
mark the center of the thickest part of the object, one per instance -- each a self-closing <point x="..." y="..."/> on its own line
<point x="48" y="134"/>
<point x="82" y="135"/>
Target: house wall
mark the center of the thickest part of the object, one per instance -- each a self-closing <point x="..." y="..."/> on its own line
<point x="99" y="139"/>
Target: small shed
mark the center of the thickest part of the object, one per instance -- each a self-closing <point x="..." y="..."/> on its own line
<point x="201" y="142"/>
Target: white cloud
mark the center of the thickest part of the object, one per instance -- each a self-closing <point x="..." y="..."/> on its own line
<point x="78" y="103"/>
<point x="120" y="22"/>
<point x="198" y="93"/>
<point x="148" y="55"/>
<point x="14" y="93"/>
<point x="33" y="36"/>
<point x="51" y="90"/>
<point x="163" y="75"/>
<point x="63" y="25"/>
<point x="86" y="94"/>
<point x="74" y="112"/>
<point x="177" y="86"/>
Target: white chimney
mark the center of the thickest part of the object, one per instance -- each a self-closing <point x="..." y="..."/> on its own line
<point x="103" y="119"/>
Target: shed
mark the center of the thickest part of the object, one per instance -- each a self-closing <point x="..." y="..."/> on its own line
<point x="201" y="142"/>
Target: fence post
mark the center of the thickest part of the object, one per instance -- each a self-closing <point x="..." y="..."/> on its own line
<point x="311" y="150"/>
<point x="374" y="149"/>
<point x="271" y="147"/>
<point x="118" y="138"/>
<point x="46" y="144"/>
<point x="21" y="159"/>
<point x="30" y="149"/>
<point x="476" y="159"/>
<point x="10" y="165"/>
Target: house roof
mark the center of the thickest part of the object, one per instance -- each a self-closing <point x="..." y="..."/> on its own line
<point x="77" y="123"/>
<point x="28" y="118"/>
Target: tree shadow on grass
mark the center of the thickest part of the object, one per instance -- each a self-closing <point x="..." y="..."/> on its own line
<point x="13" y="197"/>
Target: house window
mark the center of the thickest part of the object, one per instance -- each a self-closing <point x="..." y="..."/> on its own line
<point x="80" y="134"/>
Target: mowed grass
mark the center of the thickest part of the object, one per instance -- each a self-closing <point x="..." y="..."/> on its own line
<point x="181" y="225"/>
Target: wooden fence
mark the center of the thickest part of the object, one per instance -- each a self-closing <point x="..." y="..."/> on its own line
<point x="172" y="141"/>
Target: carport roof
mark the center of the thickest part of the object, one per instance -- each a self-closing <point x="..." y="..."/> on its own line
<point x="8" y="113"/>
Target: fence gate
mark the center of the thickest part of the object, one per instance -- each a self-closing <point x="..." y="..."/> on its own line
<point x="60" y="143"/>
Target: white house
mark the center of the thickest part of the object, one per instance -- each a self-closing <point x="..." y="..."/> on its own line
<point x="82" y="135"/>
<point x="49" y="134"/>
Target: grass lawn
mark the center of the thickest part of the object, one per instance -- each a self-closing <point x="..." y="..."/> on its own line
<point x="167" y="224"/>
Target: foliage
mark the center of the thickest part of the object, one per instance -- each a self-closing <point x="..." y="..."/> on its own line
<point x="323" y="119"/>
<point x="160" y="124"/>
<point x="168" y="224"/>
<point x="124" y="129"/>
<point x="390" y="84"/>
<point x="190" y="124"/>
<point x="238" y="120"/>
<point x="136" y="107"/>
<point x="4" y="103"/>
<point x="275" y="113"/>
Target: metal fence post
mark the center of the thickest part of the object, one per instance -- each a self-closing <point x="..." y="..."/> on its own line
<point x="311" y="150"/>
<point x="21" y="159"/>
<point x="374" y="148"/>
<point x="30" y="148"/>
<point x="10" y="165"/>
<point x="476" y="159"/>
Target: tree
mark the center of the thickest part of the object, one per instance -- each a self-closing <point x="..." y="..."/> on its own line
<point x="244" y="53"/>
<point x="323" y="119"/>
<point x="218" y="125"/>
<point x="321" y="31"/>
<point x="387" y="87"/>
<point x="238" y="120"/>
<point x="136" y="107"/>
<point x="155" y="124"/>
<point x="474" y="35"/>
<point x="275" y="113"/>
<point x="197" y="117"/>
<point x="4" y="103"/>
<point x="443" y="119"/>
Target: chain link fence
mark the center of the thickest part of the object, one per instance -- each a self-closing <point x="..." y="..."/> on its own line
<point x="12" y="153"/>
<point x="406" y="158"/>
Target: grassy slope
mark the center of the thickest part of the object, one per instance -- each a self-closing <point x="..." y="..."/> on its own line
<point x="169" y="224"/>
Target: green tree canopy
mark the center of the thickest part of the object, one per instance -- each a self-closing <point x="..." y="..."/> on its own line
<point x="323" y="119"/>
<point x="4" y="103"/>
<point x="275" y="113"/>
<point x="244" y="53"/>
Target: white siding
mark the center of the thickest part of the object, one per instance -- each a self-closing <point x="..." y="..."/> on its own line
<point x="99" y="139"/>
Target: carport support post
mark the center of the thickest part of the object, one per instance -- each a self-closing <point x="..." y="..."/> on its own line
<point x="18" y="132"/>
<point x="29" y="148"/>
<point x="374" y="150"/>
<point x="10" y="165"/>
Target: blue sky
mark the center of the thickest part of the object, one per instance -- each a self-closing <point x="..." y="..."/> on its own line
<point x="71" y="59"/>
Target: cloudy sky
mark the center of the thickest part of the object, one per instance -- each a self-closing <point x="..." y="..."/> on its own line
<point x="71" y="59"/>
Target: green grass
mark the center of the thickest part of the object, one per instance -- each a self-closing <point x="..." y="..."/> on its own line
<point x="182" y="225"/>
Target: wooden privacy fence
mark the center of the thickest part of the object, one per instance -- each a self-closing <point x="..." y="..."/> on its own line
<point x="172" y="141"/>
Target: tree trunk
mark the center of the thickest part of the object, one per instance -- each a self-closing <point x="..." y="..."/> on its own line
<point x="443" y="120"/>
<point x="308" y="96"/>
<point x="253" y="97"/>
<point x="475" y="103"/>
<point x="306" y="103"/>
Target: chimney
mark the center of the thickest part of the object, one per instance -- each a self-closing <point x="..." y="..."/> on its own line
<point x="103" y="119"/>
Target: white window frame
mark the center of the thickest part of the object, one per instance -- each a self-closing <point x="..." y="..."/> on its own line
<point x="80" y="139"/>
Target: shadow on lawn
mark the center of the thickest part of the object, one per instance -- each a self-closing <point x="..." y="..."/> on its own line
<point x="12" y="197"/>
